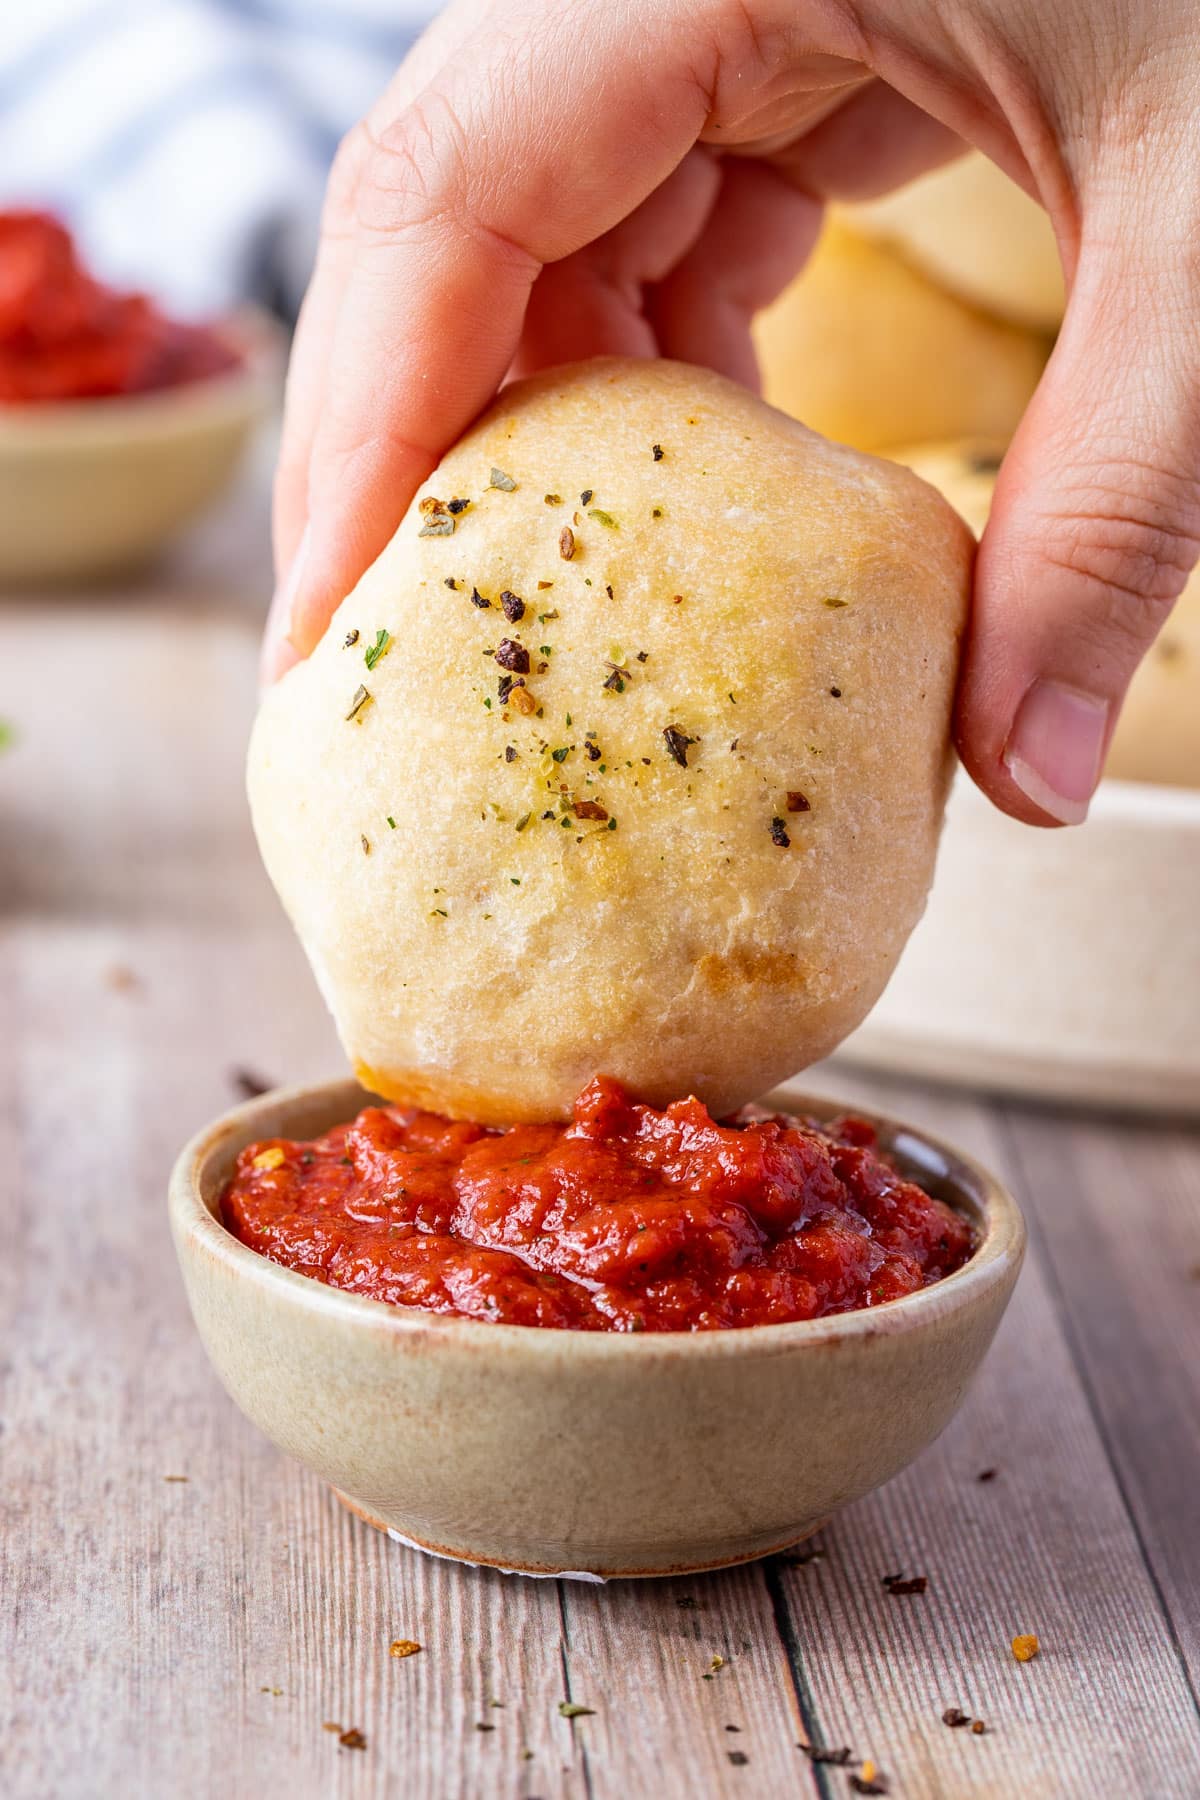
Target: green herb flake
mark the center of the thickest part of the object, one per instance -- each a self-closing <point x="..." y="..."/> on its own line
<point x="603" y="518"/>
<point x="522" y="822"/>
<point x="373" y="653"/>
<point x="516" y="880"/>
<point x="391" y="821"/>
<point x="612" y="824"/>
<point x="831" y="600"/>
<point x="504" y="482"/>
<point x="561" y="754"/>
<point x="570" y="1709"/>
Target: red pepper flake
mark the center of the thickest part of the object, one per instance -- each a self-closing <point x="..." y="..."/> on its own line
<point x="590" y="809"/>
<point x="896" y="1585"/>
<point x="512" y="606"/>
<point x="352" y="1740"/>
<point x="566" y="543"/>
<point x="798" y="802"/>
<point x="403" y="1647"/>
<point x="678" y="744"/>
<point x="1025" y="1647"/>
<point x="779" y="833"/>
<point x="978" y="1727"/>
<point x="512" y="655"/>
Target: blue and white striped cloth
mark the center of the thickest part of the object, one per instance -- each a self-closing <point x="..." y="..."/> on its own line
<point x="186" y="142"/>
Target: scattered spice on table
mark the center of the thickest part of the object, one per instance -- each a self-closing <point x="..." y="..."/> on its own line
<point x="248" y="1084"/>
<point x="837" y="1758"/>
<point x="571" y="1709"/>
<point x="869" y="1780"/>
<point x="403" y="1647"/>
<point x="175" y="1478"/>
<point x="738" y="1758"/>
<point x="482" y="1725"/>
<point x="271" y="1690"/>
<point x="955" y="1716"/>
<point x="352" y="1739"/>
<point x="1025" y="1646"/>
<point x="897" y="1585"/>
<point x="978" y="1727"/>
<point x="987" y="1474"/>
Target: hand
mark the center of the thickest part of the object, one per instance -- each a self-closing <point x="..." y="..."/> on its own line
<point x="546" y="180"/>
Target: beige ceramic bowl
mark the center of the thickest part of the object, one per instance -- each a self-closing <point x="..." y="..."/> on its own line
<point x="92" y="488"/>
<point x="588" y="1454"/>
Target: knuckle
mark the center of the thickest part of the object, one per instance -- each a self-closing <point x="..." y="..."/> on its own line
<point x="1133" y="541"/>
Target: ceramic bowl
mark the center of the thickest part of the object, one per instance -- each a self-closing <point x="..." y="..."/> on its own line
<point x="92" y="488"/>
<point x="1057" y="964"/>
<point x="581" y="1453"/>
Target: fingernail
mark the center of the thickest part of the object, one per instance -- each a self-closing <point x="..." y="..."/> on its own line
<point x="278" y="652"/>
<point x="1055" y="749"/>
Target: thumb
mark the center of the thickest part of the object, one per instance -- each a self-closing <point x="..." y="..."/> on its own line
<point x="1094" y="527"/>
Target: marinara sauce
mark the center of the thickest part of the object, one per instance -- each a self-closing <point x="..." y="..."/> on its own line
<point x="627" y="1219"/>
<point x="65" y="336"/>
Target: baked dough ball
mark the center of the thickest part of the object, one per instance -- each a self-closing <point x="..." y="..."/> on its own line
<point x="867" y="351"/>
<point x="627" y="755"/>
<point x="973" y="230"/>
<point x="965" y="472"/>
<point x="1157" y="738"/>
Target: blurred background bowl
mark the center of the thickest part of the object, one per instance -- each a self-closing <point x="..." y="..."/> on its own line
<point x="93" y="488"/>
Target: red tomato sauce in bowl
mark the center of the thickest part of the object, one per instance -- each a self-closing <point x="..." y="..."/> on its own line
<point x="66" y="336"/>
<point x="626" y="1219"/>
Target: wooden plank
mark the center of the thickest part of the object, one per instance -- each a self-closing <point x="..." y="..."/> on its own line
<point x="1117" y="1212"/>
<point x="1046" y="1546"/>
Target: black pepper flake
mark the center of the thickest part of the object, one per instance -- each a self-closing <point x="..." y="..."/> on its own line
<point x="836" y="692"/>
<point x="779" y="834"/>
<point x="608" y="589"/>
<point x="896" y="1585"/>
<point x="678" y="744"/>
<point x="457" y="506"/>
<point x="738" y="1758"/>
<point x="450" y="582"/>
<point x="592" y="752"/>
<point x="479" y="600"/>
<point x="361" y="696"/>
<point x="798" y="802"/>
<point x="643" y="656"/>
<point x="656" y="451"/>
<point x="507" y="684"/>
<point x="512" y="606"/>
<point x="837" y="1759"/>
<point x="874" y="1784"/>
<point x="548" y="814"/>
<point x="954" y="1716"/>
<point x="248" y="1084"/>
<point x="987" y="1475"/>
<point x="510" y="750"/>
<point x="656" y="512"/>
<point x="504" y="482"/>
<point x="512" y="655"/>
<point x="586" y="496"/>
<point x="566" y="543"/>
<point x="615" y="683"/>
<point x="351" y="639"/>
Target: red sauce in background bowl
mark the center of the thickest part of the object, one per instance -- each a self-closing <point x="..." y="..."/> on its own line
<point x="627" y="1219"/>
<point x="65" y="336"/>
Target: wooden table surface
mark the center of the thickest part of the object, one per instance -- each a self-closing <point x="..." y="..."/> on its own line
<point x="185" y="1612"/>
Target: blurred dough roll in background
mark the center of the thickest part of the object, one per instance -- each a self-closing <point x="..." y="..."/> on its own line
<point x="1158" y="733"/>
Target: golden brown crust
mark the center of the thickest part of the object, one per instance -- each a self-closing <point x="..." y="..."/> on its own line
<point x="866" y="350"/>
<point x="752" y="619"/>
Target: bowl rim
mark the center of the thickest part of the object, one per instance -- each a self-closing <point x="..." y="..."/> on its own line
<point x="194" y="1222"/>
<point x="254" y="333"/>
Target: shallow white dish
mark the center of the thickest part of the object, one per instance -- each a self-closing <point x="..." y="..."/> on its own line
<point x="1057" y="964"/>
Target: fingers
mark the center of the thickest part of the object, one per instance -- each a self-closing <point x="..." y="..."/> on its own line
<point x="525" y="146"/>
<point x="1095" y="525"/>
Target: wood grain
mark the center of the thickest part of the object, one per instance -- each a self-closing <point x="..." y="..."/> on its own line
<point x="148" y="1622"/>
